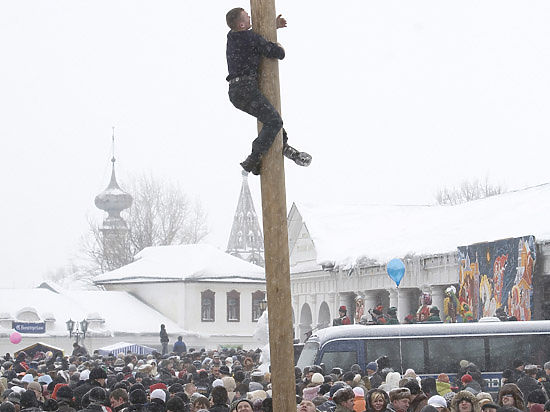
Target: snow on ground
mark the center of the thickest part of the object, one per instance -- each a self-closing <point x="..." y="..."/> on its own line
<point x="343" y="232"/>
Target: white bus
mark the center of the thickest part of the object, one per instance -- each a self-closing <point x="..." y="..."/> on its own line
<point x="431" y="349"/>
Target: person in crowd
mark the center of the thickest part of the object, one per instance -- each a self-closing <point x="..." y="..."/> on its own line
<point x="243" y="405"/>
<point x="97" y="378"/>
<point x="377" y="400"/>
<point x="418" y="399"/>
<point x="399" y="400"/>
<point x="465" y="401"/>
<point x="343" y="318"/>
<point x="164" y="339"/>
<point x="374" y="378"/>
<point x="64" y="397"/>
<point x="330" y="404"/>
<point x="344" y="399"/>
<point x="439" y="403"/>
<point x="220" y="400"/>
<point x="180" y="346"/>
<point x="517" y="371"/>
<point x="306" y="406"/>
<point x="97" y="397"/>
<point x="118" y="399"/>
<point x="528" y="382"/>
<point x="359" y="404"/>
<point x="510" y="395"/>
<point x="392" y="316"/>
<point x="537" y="396"/>
<point x="443" y="384"/>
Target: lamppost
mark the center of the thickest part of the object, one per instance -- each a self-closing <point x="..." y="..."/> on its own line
<point x="78" y="333"/>
<point x="262" y="304"/>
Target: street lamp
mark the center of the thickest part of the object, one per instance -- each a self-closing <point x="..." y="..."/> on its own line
<point x="77" y="333"/>
<point x="262" y="304"/>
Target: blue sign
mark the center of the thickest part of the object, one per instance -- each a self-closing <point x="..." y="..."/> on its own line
<point x="29" y="327"/>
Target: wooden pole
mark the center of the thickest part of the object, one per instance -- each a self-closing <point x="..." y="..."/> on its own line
<point x="277" y="267"/>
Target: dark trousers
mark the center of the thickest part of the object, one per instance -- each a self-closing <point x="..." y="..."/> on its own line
<point x="246" y="96"/>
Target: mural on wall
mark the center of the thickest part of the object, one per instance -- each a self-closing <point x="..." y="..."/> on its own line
<point x="497" y="275"/>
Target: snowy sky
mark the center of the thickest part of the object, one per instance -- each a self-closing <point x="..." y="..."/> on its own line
<point x="393" y="99"/>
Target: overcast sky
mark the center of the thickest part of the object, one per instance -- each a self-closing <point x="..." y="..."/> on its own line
<point x="393" y="99"/>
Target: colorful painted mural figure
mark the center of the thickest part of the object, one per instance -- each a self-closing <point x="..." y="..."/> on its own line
<point x="497" y="278"/>
<point x="423" y="312"/>
<point x="451" y="306"/>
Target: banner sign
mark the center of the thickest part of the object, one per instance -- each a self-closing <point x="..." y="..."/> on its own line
<point x="28" y="327"/>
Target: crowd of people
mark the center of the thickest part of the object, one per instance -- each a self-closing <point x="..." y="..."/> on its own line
<point x="230" y="380"/>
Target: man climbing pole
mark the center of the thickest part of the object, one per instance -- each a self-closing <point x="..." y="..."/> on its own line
<point x="244" y="49"/>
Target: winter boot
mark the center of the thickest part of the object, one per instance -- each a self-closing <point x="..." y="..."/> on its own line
<point x="300" y="158"/>
<point x="253" y="163"/>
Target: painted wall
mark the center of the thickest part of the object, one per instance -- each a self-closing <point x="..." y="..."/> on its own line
<point x="498" y="274"/>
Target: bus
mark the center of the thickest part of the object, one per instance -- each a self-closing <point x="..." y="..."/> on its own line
<point x="431" y="349"/>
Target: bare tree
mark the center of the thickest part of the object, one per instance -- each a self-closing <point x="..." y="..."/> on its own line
<point x="161" y="214"/>
<point x="467" y="191"/>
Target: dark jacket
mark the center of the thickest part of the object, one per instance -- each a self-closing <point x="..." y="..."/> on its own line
<point x="64" y="407"/>
<point x="244" y="49"/>
<point x="94" y="407"/>
<point x="328" y="406"/>
<point x="164" y="336"/>
<point x="82" y="390"/>
<point x="180" y="347"/>
<point x="219" y="408"/>
<point x="418" y="403"/>
<point x="527" y="384"/>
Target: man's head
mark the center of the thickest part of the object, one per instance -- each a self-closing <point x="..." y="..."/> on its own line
<point x="344" y="397"/>
<point x="238" y="19"/>
<point x="118" y="397"/>
<point x="531" y="370"/>
<point x="216" y="371"/>
<point x="306" y="406"/>
<point x="180" y="338"/>
<point x="400" y="399"/>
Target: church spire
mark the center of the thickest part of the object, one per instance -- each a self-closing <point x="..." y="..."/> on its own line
<point x="114" y="230"/>
<point x="246" y="239"/>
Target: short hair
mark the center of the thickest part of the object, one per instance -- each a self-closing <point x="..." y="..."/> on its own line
<point x="119" y="393"/>
<point x="201" y="401"/>
<point x="219" y="395"/>
<point x="232" y="17"/>
<point x="342" y="395"/>
<point x="175" y="404"/>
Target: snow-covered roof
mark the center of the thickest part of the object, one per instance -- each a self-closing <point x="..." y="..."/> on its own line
<point x="201" y="262"/>
<point x="343" y="232"/>
<point x="113" y="307"/>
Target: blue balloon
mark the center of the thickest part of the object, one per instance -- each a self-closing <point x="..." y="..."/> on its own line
<point x="396" y="270"/>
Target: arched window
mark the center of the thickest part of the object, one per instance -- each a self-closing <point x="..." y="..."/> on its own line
<point x="257" y="297"/>
<point x="208" y="306"/>
<point x="233" y="306"/>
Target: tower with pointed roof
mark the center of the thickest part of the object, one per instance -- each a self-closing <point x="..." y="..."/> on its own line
<point x="114" y="230"/>
<point x="246" y="240"/>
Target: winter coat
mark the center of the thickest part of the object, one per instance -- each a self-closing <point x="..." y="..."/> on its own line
<point x="376" y="380"/>
<point x="328" y="406"/>
<point x="32" y="409"/>
<point x="82" y="390"/>
<point x="527" y="384"/>
<point x="341" y="408"/>
<point x="418" y="403"/>
<point x="164" y="336"/>
<point x="65" y="407"/>
<point x="512" y="389"/>
<point x="310" y="392"/>
<point x="442" y="387"/>
<point x="94" y="407"/>
<point x="219" y="408"/>
<point x="136" y="408"/>
<point x="469" y="396"/>
<point x="360" y="405"/>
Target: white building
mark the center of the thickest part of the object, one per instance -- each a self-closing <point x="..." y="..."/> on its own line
<point x="339" y="251"/>
<point x="212" y="296"/>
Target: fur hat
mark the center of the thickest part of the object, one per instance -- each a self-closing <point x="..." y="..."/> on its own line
<point x="158" y="394"/>
<point x="536" y="396"/>
<point x="483" y="398"/>
<point x="399" y="393"/>
<point x="512" y="389"/>
<point x="358" y="391"/>
<point x="468" y="396"/>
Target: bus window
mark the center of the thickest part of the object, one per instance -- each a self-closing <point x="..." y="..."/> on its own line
<point x="413" y="354"/>
<point x="339" y="354"/>
<point x="412" y="351"/>
<point x="444" y="354"/>
<point x="529" y="348"/>
<point x="307" y="357"/>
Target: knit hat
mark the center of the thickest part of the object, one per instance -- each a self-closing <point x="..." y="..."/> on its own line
<point x="443" y="378"/>
<point x="463" y="363"/>
<point x="45" y="379"/>
<point x="217" y="382"/>
<point x="372" y="366"/>
<point x="358" y="391"/>
<point x="159" y="385"/>
<point x="466" y="378"/>
<point x="317" y="379"/>
<point x="138" y="396"/>
<point x="158" y="394"/>
<point x="84" y="375"/>
<point x="255" y="386"/>
<point x="224" y="370"/>
<point x="536" y="396"/>
<point x="437" y="401"/>
<point x="28" y="378"/>
<point x="97" y="394"/>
